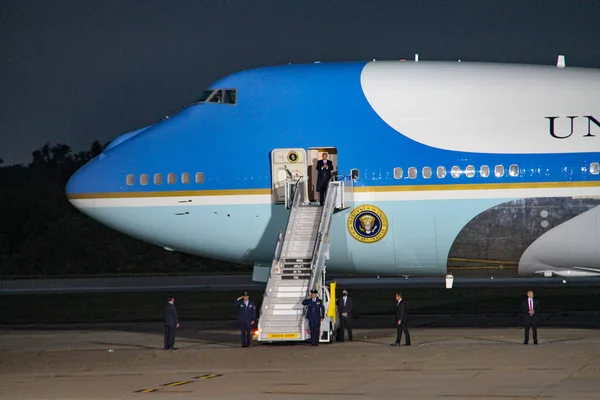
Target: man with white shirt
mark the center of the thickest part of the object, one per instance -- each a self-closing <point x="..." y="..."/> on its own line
<point x="530" y="308"/>
<point x="345" y="311"/>
<point x="324" y="171"/>
<point x="401" y="322"/>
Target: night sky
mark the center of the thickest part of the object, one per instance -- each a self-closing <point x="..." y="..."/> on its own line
<point x="76" y="71"/>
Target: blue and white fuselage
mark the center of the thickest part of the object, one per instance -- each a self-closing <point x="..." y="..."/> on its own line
<point x="472" y="166"/>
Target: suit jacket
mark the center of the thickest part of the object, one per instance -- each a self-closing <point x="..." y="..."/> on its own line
<point x="323" y="174"/>
<point x="345" y="308"/>
<point x="525" y="307"/>
<point x="401" y="312"/>
<point x="171" y="315"/>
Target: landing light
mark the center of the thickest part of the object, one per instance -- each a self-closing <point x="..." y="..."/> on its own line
<point x="449" y="281"/>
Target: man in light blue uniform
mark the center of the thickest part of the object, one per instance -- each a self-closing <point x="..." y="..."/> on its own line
<point x="246" y="317"/>
<point x="314" y="314"/>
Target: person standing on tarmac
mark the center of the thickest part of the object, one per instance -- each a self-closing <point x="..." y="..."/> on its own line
<point x="171" y="322"/>
<point x="401" y="323"/>
<point x="315" y="315"/>
<point x="345" y="310"/>
<point x="246" y="317"/>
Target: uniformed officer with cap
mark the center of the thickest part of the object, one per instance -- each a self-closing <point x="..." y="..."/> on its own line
<point x="246" y="317"/>
<point x="314" y="314"/>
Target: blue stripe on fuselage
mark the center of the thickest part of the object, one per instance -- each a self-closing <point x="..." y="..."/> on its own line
<point x="295" y="106"/>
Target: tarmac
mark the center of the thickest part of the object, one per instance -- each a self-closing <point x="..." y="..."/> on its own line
<point x="126" y="361"/>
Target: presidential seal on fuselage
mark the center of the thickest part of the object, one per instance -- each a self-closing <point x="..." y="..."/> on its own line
<point x="367" y="224"/>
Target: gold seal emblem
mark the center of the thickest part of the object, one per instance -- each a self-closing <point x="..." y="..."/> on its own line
<point x="367" y="224"/>
<point x="293" y="157"/>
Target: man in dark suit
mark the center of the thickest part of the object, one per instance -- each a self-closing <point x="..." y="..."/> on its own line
<point x="401" y="321"/>
<point x="530" y="308"/>
<point x="324" y="170"/>
<point x="345" y="311"/>
<point x="246" y="317"/>
<point x="171" y="323"/>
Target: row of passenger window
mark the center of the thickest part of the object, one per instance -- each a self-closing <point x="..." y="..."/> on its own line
<point x="171" y="179"/>
<point x="426" y="172"/>
<point x="455" y="172"/>
<point x="484" y="171"/>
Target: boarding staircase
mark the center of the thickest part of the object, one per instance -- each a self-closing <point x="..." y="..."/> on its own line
<point x="299" y="264"/>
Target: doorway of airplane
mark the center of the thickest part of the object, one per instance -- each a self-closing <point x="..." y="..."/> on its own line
<point x="284" y="163"/>
<point x="315" y="154"/>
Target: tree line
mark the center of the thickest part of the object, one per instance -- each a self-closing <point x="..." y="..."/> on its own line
<point x="42" y="234"/>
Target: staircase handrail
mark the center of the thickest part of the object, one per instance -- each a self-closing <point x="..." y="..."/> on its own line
<point x="273" y="265"/>
<point x="279" y="245"/>
<point x="295" y="204"/>
<point x="318" y="258"/>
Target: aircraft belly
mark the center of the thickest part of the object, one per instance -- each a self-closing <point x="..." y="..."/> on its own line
<point x="421" y="237"/>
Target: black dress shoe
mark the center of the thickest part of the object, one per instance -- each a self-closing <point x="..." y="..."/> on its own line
<point x="407" y="344"/>
<point x="535" y="342"/>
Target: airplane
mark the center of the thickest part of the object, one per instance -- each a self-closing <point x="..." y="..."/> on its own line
<point x="450" y="168"/>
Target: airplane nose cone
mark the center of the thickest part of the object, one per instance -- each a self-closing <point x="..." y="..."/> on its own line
<point x="85" y="181"/>
<point x="74" y="187"/>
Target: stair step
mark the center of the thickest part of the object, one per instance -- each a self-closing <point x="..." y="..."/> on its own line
<point x="285" y="300"/>
<point x="304" y="226"/>
<point x="292" y="283"/>
<point x="296" y="271"/>
<point x="284" y="318"/>
<point x="300" y="249"/>
<point x="292" y="326"/>
<point x="290" y="295"/>
<point x="288" y="306"/>
<point x="300" y="252"/>
<point x="292" y="289"/>
<point x="296" y="277"/>
<point x="302" y="236"/>
<point x="289" y="331"/>
<point x="278" y="324"/>
<point x="309" y="209"/>
<point x="287" y="312"/>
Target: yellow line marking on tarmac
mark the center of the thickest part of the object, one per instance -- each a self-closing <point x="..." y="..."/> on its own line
<point x="208" y="376"/>
<point x="177" y="383"/>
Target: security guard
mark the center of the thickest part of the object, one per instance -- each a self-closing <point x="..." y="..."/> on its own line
<point x="246" y="317"/>
<point x="315" y="315"/>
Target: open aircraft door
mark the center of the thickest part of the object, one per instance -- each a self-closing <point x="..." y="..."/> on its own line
<point x="286" y="163"/>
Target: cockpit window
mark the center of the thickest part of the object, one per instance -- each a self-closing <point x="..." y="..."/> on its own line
<point x="205" y="95"/>
<point x="222" y="96"/>
<point x="230" y="96"/>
